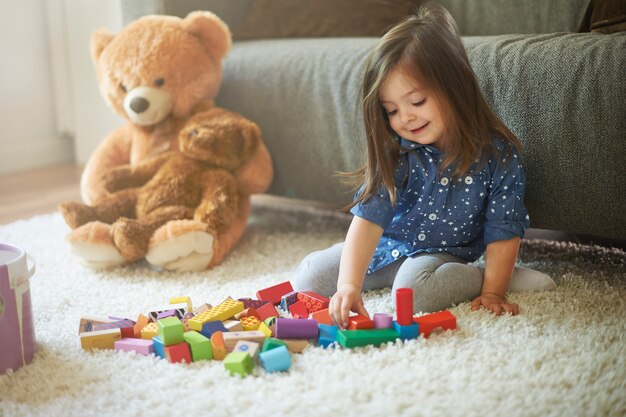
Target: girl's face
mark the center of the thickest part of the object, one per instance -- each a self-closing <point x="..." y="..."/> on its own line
<point x="413" y="114"/>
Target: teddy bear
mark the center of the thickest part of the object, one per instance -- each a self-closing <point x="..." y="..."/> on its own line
<point x="173" y="184"/>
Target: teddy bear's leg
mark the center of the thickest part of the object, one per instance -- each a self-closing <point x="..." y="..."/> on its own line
<point x="93" y="244"/>
<point x="218" y="207"/>
<point x="182" y="245"/>
<point x="229" y="238"/>
<point x="119" y="204"/>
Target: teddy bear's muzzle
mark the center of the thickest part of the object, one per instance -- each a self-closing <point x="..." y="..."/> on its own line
<point x="147" y="106"/>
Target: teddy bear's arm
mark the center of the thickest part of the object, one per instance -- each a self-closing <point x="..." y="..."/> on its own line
<point x="255" y="175"/>
<point x="132" y="176"/>
<point x="113" y="151"/>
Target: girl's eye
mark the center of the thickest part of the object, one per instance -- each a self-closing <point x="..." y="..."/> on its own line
<point x="123" y="87"/>
<point x="392" y="112"/>
<point x="159" y="82"/>
<point x="419" y="103"/>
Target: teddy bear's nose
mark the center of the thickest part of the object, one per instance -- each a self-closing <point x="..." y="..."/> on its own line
<point x="139" y="104"/>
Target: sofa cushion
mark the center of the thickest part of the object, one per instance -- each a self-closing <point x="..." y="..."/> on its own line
<point x="321" y="18"/>
<point x="604" y="16"/>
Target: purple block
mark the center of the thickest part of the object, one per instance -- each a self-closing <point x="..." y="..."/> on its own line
<point x="166" y="314"/>
<point x="251" y="303"/>
<point x="382" y="321"/>
<point x="288" y="299"/>
<point x="285" y="328"/>
<point x="141" y="346"/>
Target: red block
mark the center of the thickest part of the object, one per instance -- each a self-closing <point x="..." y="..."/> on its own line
<point x="444" y="319"/>
<point x="298" y="310"/>
<point x="248" y="312"/>
<point x="267" y="310"/>
<point x="313" y="301"/>
<point x="274" y="293"/>
<point x="404" y="306"/>
<point x="322" y="317"/>
<point x="178" y="353"/>
<point x="360" y="322"/>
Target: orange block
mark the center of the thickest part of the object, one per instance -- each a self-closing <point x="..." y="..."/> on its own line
<point x="218" y="347"/>
<point x="360" y="322"/>
<point x="142" y="321"/>
<point x="444" y="319"/>
<point x="322" y="317"/>
<point x="250" y="323"/>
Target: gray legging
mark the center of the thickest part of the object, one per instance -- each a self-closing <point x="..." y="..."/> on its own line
<point x="438" y="280"/>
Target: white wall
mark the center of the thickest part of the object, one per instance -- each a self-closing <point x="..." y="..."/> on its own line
<point x="29" y="136"/>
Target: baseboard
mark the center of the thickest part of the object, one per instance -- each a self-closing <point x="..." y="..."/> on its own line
<point x="37" y="153"/>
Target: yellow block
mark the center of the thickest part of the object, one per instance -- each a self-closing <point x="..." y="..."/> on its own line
<point x="250" y="323"/>
<point x="265" y="329"/>
<point x="178" y="300"/>
<point x="149" y="331"/>
<point x="100" y="339"/>
<point x="221" y="312"/>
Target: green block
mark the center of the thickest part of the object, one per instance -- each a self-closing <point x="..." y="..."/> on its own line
<point x="170" y="331"/>
<point x="239" y="363"/>
<point x="271" y="343"/>
<point x="199" y="345"/>
<point x="376" y="337"/>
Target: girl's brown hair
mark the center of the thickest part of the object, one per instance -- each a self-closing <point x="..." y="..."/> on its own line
<point x="427" y="47"/>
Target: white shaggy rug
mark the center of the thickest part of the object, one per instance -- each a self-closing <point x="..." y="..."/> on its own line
<point x="564" y="355"/>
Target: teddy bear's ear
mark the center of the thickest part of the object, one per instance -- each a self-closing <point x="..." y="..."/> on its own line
<point x="99" y="40"/>
<point x="211" y="30"/>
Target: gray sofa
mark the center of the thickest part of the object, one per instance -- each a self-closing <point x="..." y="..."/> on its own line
<point x="562" y="93"/>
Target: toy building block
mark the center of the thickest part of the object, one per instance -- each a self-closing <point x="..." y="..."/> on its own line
<point x="266" y="330"/>
<point x="159" y="347"/>
<point x="100" y="339"/>
<point x="178" y="353"/>
<point x="252" y="303"/>
<point x="406" y="332"/>
<point x="185" y="321"/>
<point x="251" y="348"/>
<point x="217" y="346"/>
<point x="250" y="323"/>
<point x="298" y="310"/>
<point x="149" y="331"/>
<point x="202" y="308"/>
<point x="166" y="314"/>
<point x="126" y="326"/>
<point x="275" y="292"/>
<point x="360" y="322"/>
<point x="286" y="328"/>
<point x="239" y="363"/>
<point x="383" y="321"/>
<point x="199" y="346"/>
<point x="142" y="321"/>
<point x="271" y="343"/>
<point x="181" y="310"/>
<point x="288" y="299"/>
<point x="231" y="338"/>
<point x="376" y="337"/>
<point x="233" y="326"/>
<point x="179" y="300"/>
<point x="313" y="301"/>
<point x="170" y="331"/>
<point x="141" y="346"/>
<point x="223" y="311"/>
<point x="322" y="317"/>
<point x="211" y="327"/>
<point x="328" y="335"/>
<point x="247" y="312"/>
<point x="270" y="321"/>
<point x="267" y="310"/>
<point x="87" y="323"/>
<point x="444" y="319"/>
<point x="404" y="306"/>
<point x="296" y="345"/>
<point x="275" y="360"/>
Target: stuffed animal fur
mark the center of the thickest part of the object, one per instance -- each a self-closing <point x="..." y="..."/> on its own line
<point x="174" y="183"/>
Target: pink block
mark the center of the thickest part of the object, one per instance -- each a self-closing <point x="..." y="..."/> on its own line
<point x="382" y="321"/>
<point x="141" y="346"/>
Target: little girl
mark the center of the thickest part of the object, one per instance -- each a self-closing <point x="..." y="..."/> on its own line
<point x="442" y="185"/>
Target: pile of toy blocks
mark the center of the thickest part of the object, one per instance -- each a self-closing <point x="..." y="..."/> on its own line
<point x="247" y="331"/>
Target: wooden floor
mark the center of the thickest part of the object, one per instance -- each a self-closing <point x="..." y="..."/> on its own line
<point x="27" y="194"/>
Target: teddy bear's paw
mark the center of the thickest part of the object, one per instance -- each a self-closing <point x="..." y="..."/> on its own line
<point x="77" y="214"/>
<point x="182" y="245"/>
<point x="93" y="244"/>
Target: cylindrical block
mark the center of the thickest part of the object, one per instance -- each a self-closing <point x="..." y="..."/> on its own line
<point x="285" y="328"/>
<point x="276" y="359"/>
<point x="404" y="306"/>
<point x="383" y="321"/>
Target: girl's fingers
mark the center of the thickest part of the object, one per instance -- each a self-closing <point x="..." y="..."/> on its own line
<point x="359" y="308"/>
<point x="476" y="303"/>
<point x="345" y="313"/>
<point x="507" y="308"/>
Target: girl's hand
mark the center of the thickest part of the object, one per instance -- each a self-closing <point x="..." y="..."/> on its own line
<point x="495" y="303"/>
<point x="347" y="298"/>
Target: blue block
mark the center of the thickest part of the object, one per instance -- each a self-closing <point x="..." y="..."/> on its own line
<point x="211" y="327"/>
<point x="406" y="332"/>
<point x="275" y="360"/>
<point x="159" y="347"/>
<point x="327" y="335"/>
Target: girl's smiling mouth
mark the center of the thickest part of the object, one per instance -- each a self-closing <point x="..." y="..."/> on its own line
<point x="419" y="129"/>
